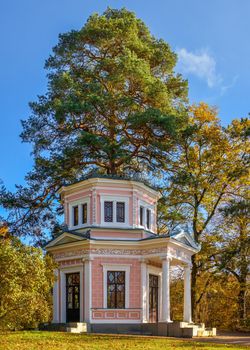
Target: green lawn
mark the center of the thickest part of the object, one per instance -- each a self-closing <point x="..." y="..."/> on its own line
<point x="63" y="341"/>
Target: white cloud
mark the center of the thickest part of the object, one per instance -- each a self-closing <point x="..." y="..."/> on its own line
<point x="201" y="64"/>
<point x="225" y="88"/>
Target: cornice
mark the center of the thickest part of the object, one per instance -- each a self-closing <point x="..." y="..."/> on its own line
<point x="96" y="182"/>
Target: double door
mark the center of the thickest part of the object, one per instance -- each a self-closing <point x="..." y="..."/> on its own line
<point x="73" y="297"/>
<point x="153" y="298"/>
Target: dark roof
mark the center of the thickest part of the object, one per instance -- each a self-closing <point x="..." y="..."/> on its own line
<point x="137" y="178"/>
<point x="86" y="235"/>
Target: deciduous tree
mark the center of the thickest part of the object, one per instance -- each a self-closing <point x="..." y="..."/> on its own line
<point x="25" y="285"/>
<point x="206" y="170"/>
<point x="235" y="251"/>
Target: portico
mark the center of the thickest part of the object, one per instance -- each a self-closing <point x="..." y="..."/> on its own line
<point x="164" y="274"/>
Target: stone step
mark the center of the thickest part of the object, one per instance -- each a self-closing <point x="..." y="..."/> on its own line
<point x="72" y="327"/>
<point x="207" y="332"/>
<point x="189" y="330"/>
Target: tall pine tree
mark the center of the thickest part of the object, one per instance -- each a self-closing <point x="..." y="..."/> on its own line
<point x="114" y="104"/>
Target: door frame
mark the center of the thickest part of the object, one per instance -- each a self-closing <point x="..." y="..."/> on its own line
<point x="152" y="270"/>
<point x="63" y="301"/>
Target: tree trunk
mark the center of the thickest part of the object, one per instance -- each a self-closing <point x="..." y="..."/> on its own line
<point x="241" y="304"/>
<point x="193" y="287"/>
<point x="243" y="272"/>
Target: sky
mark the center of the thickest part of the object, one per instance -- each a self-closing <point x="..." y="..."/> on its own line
<point x="211" y="39"/>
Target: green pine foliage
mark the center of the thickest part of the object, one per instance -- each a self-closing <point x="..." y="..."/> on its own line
<point x="114" y="104"/>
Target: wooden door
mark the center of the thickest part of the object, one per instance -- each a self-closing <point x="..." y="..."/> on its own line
<point x="153" y="298"/>
<point x="73" y="297"/>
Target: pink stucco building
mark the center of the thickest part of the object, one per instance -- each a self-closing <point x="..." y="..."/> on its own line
<point x="113" y="269"/>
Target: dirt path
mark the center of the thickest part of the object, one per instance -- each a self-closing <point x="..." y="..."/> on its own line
<point x="228" y="338"/>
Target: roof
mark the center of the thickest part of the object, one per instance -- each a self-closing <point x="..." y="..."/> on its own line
<point x="181" y="237"/>
<point x="136" y="178"/>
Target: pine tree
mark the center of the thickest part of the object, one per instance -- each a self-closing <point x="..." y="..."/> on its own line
<point x="113" y="105"/>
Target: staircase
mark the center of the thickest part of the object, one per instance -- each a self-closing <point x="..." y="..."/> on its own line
<point x="72" y="327"/>
<point x="189" y="330"/>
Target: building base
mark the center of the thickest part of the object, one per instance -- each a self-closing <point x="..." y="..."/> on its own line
<point x="173" y="329"/>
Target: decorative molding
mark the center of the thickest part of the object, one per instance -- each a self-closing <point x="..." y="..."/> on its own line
<point x="116" y="314"/>
<point x="180" y="256"/>
<point x="94" y="204"/>
<point x="106" y="251"/>
<point x="101" y="182"/>
<point x="135" y="208"/>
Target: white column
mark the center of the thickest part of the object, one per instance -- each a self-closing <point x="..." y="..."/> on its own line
<point x="144" y="290"/>
<point x="166" y="290"/>
<point x="87" y="290"/>
<point x="187" y="314"/>
<point x="55" y="299"/>
<point x="81" y="294"/>
<point x="63" y="296"/>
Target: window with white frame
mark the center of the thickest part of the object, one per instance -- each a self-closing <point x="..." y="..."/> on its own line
<point x="79" y="213"/>
<point x="146" y="215"/>
<point x="114" y="210"/>
<point x="116" y="279"/>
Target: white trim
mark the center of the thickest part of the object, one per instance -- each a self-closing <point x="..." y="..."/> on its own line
<point x="63" y="273"/>
<point x="79" y="203"/>
<point x="116" y="267"/>
<point x="115" y="199"/>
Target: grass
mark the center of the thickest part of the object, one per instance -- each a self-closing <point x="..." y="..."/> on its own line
<point x="37" y="340"/>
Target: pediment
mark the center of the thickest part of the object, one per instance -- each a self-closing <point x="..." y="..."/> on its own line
<point x="64" y="238"/>
<point x="186" y="238"/>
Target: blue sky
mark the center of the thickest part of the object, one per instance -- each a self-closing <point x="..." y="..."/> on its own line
<point x="210" y="37"/>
